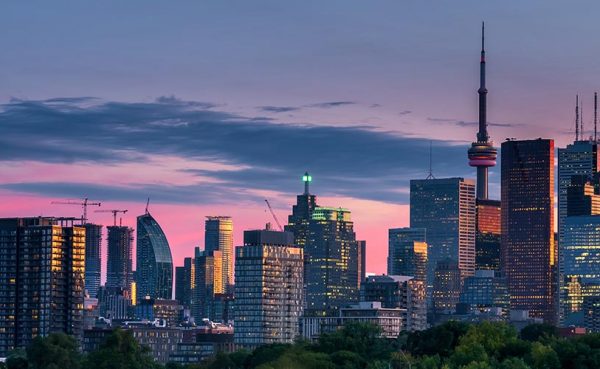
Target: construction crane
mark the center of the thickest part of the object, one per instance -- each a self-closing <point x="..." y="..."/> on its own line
<point x="84" y="204"/>
<point x="114" y="213"/>
<point x="274" y="216"/>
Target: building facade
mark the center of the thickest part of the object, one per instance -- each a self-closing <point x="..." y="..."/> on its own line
<point x="218" y="236"/>
<point x="407" y="252"/>
<point x="486" y="289"/>
<point x="268" y="289"/>
<point x="332" y="260"/>
<point x="446" y="286"/>
<point x="185" y="282"/>
<point x="208" y="284"/>
<point x="445" y="208"/>
<point x="93" y="263"/>
<point x="529" y="254"/>
<point x="42" y="274"/>
<point x="487" y="238"/>
<point x="119" y="272"/>
<point x="154" y="263"/>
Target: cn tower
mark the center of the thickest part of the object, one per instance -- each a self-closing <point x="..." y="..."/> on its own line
<point x="482" y="153"/>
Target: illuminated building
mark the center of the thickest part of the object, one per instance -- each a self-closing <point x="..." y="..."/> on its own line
<point x="150" y="309"/>
<point x="487" y="239"/>
<point x="332" y="266"/>
<point x="528" y="250"/>
<point x="133" y="293"/>
<point x="185" y="280"/>
<point x="42" y="276"/>
<point x="118" y="261"/>
<point x="486" y="289"/>
<point x="301" y="213"/>
<point x="154" y="264"/>
<point x="114" y="303"/>
<point x="93" y="240"/>
<point x="208" y="283"/>
<point x="395" y="291"/>
<point x="218" y="236"/>
<point x="581" y="264"/>
<point x="445" y="208"/>
<point x="591" y="312"/>
<point x="578" y="159"/>
<point x="407" y="252"/>
<point x="268" y="289"/>
<point x="446" y="286"/>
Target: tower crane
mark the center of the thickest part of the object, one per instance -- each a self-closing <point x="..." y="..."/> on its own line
<point x="84" y="203"/>
<point x="114" y="213"/>
<point x="274" y="216"/>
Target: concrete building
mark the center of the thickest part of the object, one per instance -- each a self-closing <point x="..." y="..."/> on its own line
<point x="529" y="253"/>
<point x="268" y="290"/>
<point x="42" y="278"/>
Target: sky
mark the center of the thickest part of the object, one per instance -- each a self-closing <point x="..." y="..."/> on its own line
<point x="211" y="107"/>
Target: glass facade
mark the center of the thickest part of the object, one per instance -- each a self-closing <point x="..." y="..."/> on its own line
<point x="407" y="252"/>
<point x="93" y="241"/>
<point x="446" y="286"/>
<point x="119" y="273"/>
<point x="332" y="260"/>
<point x="185" y="280"/>
<point x="487" y="239"/>
<point x="208" y="283"/>
<point x="218" y="236"/>
<point x="528" y="249"/>
<point x="445" y="208"/>
<point x="154" y="272"/>
<point x="485" y="289"/>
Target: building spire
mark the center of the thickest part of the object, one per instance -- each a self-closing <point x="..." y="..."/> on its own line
<point x="306" y="178"/>
<point x="576" y="117"/>
<point x="430" y="176"/>
<point x="595" y="117"/>
<point x="482" y="135"/>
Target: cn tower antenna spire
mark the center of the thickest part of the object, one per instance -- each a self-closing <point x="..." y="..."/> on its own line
<point x="482" y="153"/>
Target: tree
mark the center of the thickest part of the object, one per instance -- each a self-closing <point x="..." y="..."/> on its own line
<point x="17" y="359"/>
<point x="361" y="338"/>
<point x="535" y="332"/>
<point x="440" y="340"/>
<point x="122" y="351"/>
<point x="543" y="357"/>
<point x="57" y="351"/>
<point x="513" y="363"/>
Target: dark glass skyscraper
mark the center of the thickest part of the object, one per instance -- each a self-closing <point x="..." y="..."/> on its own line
<point x="119" y="258"/>
<point x="93" y="241"/>
<point x="407" y="253"/>
<point x="332" y="266"/>
<point x="445" y="208"/>
<point x="154" y="264"/>
<point x="208" y="283"/>
<point x="42" y="276"/>
<point x="487" y="239"/>
<point x="185" y="280"/>
<point x="528" y="248"/>
<point x="302" y="213"/>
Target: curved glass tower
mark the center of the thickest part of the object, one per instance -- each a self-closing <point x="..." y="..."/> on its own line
<point x="154" y="264"/>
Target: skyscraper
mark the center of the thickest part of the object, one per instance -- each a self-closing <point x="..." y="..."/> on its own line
<point x="208" y="283"/>
<point x="331" y="260"/>
<point x="302" y="213"/>
<point x="185" y="281"/>
<point x="446" y="285"/>
<point x="362" y="261"/>
<point x="407" y="253"/>
<point x="268" y="289"/>
<point x="119" y="258"/>
<point x="218" y="236"/>
<point x="445" y="208"/>
<point x="154" y="264"/>
<point x="93" y="264"/>
<point x="42" y="274"/>
<point x="528" y="247"/>
<point x="487" y="238"/>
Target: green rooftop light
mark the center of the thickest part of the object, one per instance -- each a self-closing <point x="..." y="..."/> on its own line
<point x="307" y="178"/>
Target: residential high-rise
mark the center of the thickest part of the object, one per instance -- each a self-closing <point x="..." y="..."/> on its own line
<point x="118" y="261"/>
<point x="218" y="236"/>
<point x="154" y="264"/>
<point x="579" y="159"/>
<point x="185" y="281"/>
<point x="407" y="253"/>
<point x="396" y="291"/>
<point x="581" y="265"/>
<point x="487" y="238"/>
<point x="332" y="266"/>
<point x="302" y="213"/>
<point x="362" y="261"/>
<point x="42" y="277"/>
<point x="446" y="286"/>
<point x="445" y="208"/>
<point x="93" y="264"/>
<point x="528" y="248"/>
<point x="268" y="289"/>
<point x="208" y="283"/>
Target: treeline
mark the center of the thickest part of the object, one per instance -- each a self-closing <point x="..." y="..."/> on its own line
<point x="357" y="346"/>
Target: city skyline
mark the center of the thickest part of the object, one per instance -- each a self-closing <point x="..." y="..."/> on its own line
<point x="188" y="178"/>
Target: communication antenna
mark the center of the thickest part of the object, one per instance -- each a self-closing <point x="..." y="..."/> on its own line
<point x="595" y="117"/>
<point x="430" y="176"/>
<point x="576" y="117"/>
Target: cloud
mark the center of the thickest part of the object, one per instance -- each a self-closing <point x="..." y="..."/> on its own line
<point x="405" y="112"/>
<point x="462" y="123"/>
<point x="278" y="109"/>
<point x="353" y="161"/>
<point x="331" y="104"/>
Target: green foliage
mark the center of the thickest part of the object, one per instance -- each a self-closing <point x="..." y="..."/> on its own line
<point x="536" y="332"/>
<point x="440" y="340"/>
<point x="122" y="351"/>
<point x="57" y="351"/>
<point x="17" y="359"/>
<point x="543" y="357"/>
<point x="362" y="339"/>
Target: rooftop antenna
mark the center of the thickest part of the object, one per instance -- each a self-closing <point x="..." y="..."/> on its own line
<point x="147" y="204"/>
<point x="595" y="117"/>
<point x="576" y="117"/>
<point x="430" y="176"/>
<point x="581" y="130"/>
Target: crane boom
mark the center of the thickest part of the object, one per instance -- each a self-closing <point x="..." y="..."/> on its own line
<point x="114" y="213"/>
<point x="84" y="204"/>
<point x="274" y="216"/>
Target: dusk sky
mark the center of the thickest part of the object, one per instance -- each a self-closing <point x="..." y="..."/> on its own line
<point x="209" y="107"/>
